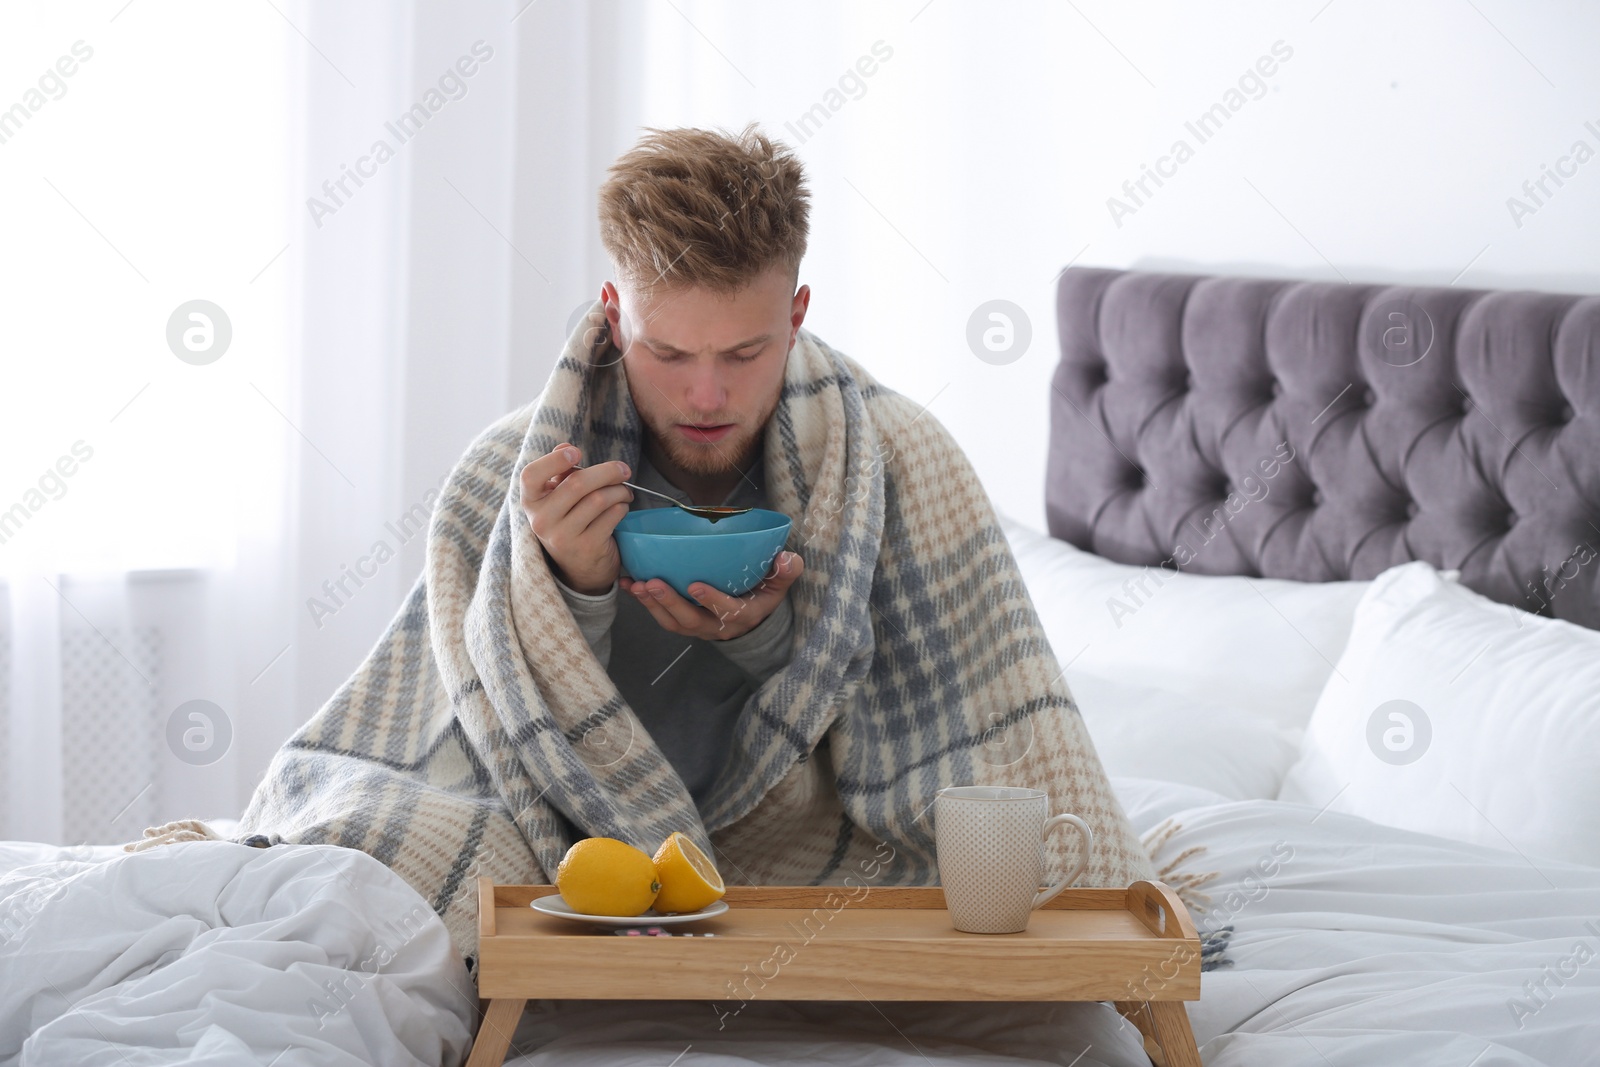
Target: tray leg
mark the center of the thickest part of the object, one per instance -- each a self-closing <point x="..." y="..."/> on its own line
<point x="1137" y="1012"/>
<point x="494" y="1035"/>
<point x="1168" y="1039"/>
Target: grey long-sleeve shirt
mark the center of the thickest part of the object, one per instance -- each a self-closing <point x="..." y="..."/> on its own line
<point x="686" y="691"/>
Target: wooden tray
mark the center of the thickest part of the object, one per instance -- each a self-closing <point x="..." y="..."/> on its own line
<point x="1135" y="947"/>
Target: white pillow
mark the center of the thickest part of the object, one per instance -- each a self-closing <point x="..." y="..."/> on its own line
<point x="1453" y="715"/>
<point x="1258" y="645"/>
<point x="1143" y="732"/>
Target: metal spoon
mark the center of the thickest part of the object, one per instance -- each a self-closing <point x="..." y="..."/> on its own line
<point x="711" y="513"/>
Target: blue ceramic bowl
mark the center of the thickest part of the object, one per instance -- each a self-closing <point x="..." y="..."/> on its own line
<point x="730" y="554"/>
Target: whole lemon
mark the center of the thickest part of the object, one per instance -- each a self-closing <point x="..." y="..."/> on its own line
<point x="689" y="880"/>
<point x="604" y="876"/>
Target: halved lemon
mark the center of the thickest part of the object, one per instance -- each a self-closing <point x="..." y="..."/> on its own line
<point x="689" y="880"/>
<point x="604" y="876"/>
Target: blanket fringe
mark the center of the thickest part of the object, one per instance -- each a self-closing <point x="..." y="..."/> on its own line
<point x="172" y="833"/>
<point x="1187" y="884"/>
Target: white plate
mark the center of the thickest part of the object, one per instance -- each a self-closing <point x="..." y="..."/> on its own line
<point x="554" y="905"/>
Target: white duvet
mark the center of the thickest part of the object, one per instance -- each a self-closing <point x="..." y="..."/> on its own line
<point x="215" y="953"/>
<point x="1364" y="946"/>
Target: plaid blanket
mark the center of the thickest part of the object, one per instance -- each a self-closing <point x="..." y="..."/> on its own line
<point x="480" y="736"/>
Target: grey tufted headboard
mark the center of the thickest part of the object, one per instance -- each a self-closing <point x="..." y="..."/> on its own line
<point x="1319" y="431"/>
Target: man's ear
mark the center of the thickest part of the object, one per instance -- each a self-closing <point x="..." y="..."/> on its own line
<point x="797" y="311"/>
<point x="612" y="302"/>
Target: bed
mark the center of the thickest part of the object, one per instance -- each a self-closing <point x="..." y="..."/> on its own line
<point x="1319" y="562"/>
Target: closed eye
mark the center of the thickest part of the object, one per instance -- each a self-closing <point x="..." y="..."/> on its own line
<point x="678" y="357"/>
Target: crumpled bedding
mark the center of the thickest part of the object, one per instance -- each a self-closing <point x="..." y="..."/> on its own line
<point x="216" y="953"/>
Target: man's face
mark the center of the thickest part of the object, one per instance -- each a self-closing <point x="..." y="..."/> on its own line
<point x="705" y="368"/>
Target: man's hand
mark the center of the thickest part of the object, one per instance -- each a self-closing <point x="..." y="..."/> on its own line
<point x="714" y="615"/>
<point x="573" y="513"/>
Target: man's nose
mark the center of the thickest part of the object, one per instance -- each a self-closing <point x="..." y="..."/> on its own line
<point x="706" y="392"/>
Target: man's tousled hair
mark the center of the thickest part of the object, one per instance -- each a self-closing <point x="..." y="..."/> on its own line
<point x="690" y="207"/>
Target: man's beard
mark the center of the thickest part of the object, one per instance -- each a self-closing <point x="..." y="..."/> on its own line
<point x="735" y="453"/>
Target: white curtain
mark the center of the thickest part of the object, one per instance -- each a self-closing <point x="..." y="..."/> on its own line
<point x="145" y="475"/>
<point x="244" y="528"/>
<point x="436" y="298"/>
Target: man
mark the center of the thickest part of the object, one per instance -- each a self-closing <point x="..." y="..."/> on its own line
<point x="528" y="694"/>
<point x="705" y="370"/>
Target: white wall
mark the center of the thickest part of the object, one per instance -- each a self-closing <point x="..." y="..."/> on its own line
<point x="980" y="158"/>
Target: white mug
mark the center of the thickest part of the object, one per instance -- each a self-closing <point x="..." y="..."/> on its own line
<point x="991" y="854"/>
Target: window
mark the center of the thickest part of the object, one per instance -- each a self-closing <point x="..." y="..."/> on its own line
<point x="144" y="165"/>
